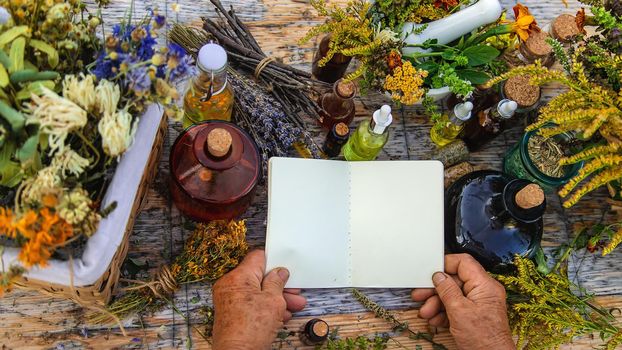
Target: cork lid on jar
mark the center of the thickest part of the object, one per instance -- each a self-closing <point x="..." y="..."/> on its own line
<point x="345" y="88"/>
<point x="564" y="28"/>
<point x="520" y="89"/>
<point x="537" y="46"/>
<point x="219" y="142"/>
<point x="530" y="196"/>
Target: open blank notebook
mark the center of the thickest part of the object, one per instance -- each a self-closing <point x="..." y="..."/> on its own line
<point x="355" y="224"/>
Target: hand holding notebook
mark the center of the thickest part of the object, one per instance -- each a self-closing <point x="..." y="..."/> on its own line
<point x="355" y="224"/>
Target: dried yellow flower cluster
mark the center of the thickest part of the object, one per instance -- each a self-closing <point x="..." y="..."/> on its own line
<point x="406" y="84"/>
<point x="545" y="313"/>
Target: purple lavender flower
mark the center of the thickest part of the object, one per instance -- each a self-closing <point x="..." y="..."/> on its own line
<point x="138" y="80"/>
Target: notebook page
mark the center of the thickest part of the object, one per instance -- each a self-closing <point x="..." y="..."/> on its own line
<point x="308" y="221"/>
<point x="397" y="223"/>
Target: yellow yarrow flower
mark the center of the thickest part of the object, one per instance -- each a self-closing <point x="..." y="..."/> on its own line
<point x="405" y="84"/>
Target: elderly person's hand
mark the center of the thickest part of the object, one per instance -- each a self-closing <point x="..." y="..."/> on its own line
<point x="468" y="301"/>
<point x="249" y="308"/>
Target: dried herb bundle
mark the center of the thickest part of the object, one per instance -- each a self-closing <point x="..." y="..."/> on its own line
<point x="545" y="313"/>
<point x="212" y="250"/>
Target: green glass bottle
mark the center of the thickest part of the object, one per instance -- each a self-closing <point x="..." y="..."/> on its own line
<point x="369" y="137"/>
<point x="450" y="126"/>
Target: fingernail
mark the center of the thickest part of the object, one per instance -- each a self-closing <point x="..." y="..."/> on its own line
<point x="438" y="277"/>
<point x="284" y="274"/>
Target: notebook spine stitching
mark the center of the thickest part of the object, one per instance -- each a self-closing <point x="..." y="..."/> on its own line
<point x="350" y="224"/>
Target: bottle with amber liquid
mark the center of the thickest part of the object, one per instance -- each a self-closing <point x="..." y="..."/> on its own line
<point x="334" y="69"/>
<point x="209" y="96"/>
<point x="494" y="217"/>
<point x="337" y="106"/>
<point x="487" y="124"/>
<point x="215" y="167"/>
<point x="450" y="126"/>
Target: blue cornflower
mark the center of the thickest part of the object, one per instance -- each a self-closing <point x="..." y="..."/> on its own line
<point x="184" y="66"/>
<point x="175" y="50"/>
<point x="123" y="32"/>
<point x="103" y="67"/>
<point x="145" y="49"/>
<point x="138" y="80"/>
<point x="159" y="20"/>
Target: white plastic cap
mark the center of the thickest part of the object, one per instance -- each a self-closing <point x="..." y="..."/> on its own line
<point x="212" y="57"/>
<point x="382" y="119"/>
<point x="463" y="110"/>
<point x="507" y="108"/>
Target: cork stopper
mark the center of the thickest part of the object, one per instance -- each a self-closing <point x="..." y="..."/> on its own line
<point x="565" y="27"/>
<point x="345" y="89"/>
<point x="341" y="129"/>
<point x="218" y="142"/>
<point x="530" y="196"/>
<point x="320" y="328"/>
<point x="519" y="89"/>
<point x="536" y="45"/>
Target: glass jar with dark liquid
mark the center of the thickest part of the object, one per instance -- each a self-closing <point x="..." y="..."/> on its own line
<point x="494" y="217"/>
<point x="215" y="168"/>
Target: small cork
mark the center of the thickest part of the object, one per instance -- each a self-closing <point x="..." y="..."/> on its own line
<point x="564" y="28"/>
<point x="345" y="89"/>
<point x="218" y="142"/>
<point x="537" y="46"/>
<point x="530" y="196"/>
<point x="341" y="129"/>
<point x="519" y="89"/>
<point x="320" y="329"/>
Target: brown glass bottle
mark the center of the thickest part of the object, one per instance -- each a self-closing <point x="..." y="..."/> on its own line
<point x="314" y="332"/>
<point x="215" y="167"/>
<point x="334" y="69"/>
<point x="487" y="124"/>
<point x="481" y="99"/>
<point x="336" y="138"/>
<point x="494" y="217"/>
<point x="337" y="105"/>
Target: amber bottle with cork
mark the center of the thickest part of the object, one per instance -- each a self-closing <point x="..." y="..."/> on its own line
<point x="334" y="69"/>
<point x="487" y="124"/>
<point x="215" y="167"/>
<point x="209" y="96"/>
<point x="337" y="106"/>
<point x="494" y="217"/>
<point x="336" y="138"/>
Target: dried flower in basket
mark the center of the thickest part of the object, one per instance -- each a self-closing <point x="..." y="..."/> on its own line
<point x="212" y="250"/>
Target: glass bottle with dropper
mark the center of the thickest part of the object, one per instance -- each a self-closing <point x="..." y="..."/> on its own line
<point x="369" y="137"/>
<point x="209" y="97"/>
<point x="487" y="124"/>
<point x="450" y="126"/>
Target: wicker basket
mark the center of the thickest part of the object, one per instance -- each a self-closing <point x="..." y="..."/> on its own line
<point x="99" y="292"/>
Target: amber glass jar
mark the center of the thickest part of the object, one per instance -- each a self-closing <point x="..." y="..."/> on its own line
<point x="334" y="69"/>
<point x="215" y="167"/>
<point x="337" y="105"/>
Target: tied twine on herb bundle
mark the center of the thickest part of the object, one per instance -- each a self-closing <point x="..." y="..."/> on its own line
<point x="212" y="250"/>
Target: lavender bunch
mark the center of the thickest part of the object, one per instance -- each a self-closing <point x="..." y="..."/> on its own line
<point x="274" y="131"/>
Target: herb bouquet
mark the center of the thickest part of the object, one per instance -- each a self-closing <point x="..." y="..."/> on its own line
<point x="70" y="107"/>
<point x="398" y="53"/>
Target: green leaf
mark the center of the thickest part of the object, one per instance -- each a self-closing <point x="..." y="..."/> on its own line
<point x="10" y="171"/>
<point x="476" y="77"/>
<point x="429" y="66"/>
<point x="17" y="54"/>
<point x="12" y="33"/>
<point x="449" y="55"/>
<point x="480" y="54"/>
<point x="47" y="49"/>
<point x="5" y="60"/>
<point x="29" y="148"/>
<point x="4" y="77"/>
<point x="13" y="117"/>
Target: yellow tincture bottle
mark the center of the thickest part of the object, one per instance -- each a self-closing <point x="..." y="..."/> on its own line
<point x="450" y="126"/>
<point x="209" y="95"/>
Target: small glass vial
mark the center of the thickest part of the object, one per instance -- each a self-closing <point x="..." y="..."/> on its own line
<point x="337" y="106"/>
<point x="314" y="332"/>
<point x="334" y="69"/>
<point x="519" y="89"/>
<point x="336" y="138"/>
<point x="534" y="49"/>
<point x="564" y="28"/>
<point x="369" y="137"/>
<point x="450" y="126"/>
<point x="215" y="167"/>
<point x="488" y="124"/>
<point x="209" y="97"/>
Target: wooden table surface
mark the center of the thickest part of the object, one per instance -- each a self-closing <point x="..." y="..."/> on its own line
<point x="30" y="320"/>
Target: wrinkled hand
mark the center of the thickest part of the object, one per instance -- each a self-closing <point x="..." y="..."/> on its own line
<point x="468" y="301"/>
<point x="249" y="308"/>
